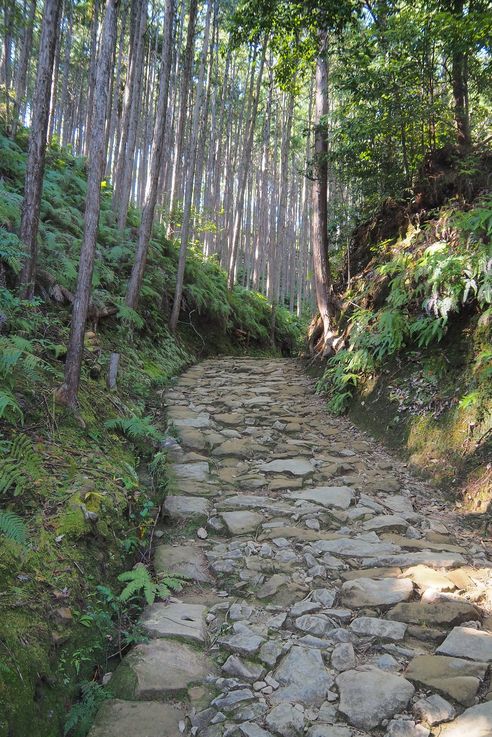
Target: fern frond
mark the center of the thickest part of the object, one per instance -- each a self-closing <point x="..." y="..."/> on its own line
<point x="10" y="407"/>
<point x="139" y="579"/>
<point x="12" y="526"/>
<point x="136" y="428"/>
<point x="20" y="466"/>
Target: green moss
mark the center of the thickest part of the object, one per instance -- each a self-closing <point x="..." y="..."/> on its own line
<point x="124" y="682"/>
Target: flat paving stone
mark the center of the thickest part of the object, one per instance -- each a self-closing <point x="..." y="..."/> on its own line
<point x="186" y="507"/>
<point x="241" y="522"/>
<point x="184" y="561"/>
<point x="183" y="621"/>
<point x="353" y="547"/>
<point x="367" y="698"/>
<point x="362" y="592"/>
<point x="474" y="722"/>
<point x="327" y="496"/>
<point x="295" y="466"/>
<point x="194" y="471"/>
<point x="158" y="670"/>
<point x="117" y="718"/>
<point x="303" y="678"/>
<point x="455" y="677"/>
<point x="438" y="613"/>
<point x="380" y="628"/>
<point x="466" y="642"/>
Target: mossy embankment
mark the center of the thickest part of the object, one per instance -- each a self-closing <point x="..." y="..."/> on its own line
<point x="80" y="493"/>
<point x="416" y="366"/>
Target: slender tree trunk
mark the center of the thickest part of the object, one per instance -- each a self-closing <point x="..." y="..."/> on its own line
<point x="54" y="88"/>
<point x="37" y="146"/>
<point x="69" y="389"/>
<point x="21" y="78"/>
<point x="319" y="218"/>
<point x="246" y="163"/>
<point x="459" y="74"/>
<point x="62" y="123"/>
<point x="185" y="230"/>
<point x="137" y="30"/>
<point x="185" y="87"/>
<point x="124" y="184"/>
<point x="145" y="229"/>
<point x="92" y="73"/>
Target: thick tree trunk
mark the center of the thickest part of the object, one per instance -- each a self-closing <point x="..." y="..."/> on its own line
<point x="37" y="146"/>
<point x="95" y="172"/>
<point x="319" y="218"/>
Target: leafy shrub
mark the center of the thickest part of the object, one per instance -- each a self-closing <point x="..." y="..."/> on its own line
<point x="429" y="279"/>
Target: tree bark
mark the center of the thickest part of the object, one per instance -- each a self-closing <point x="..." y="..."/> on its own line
<point x="21" y="78"/>
<point x="185" y="230"/>
<point x="37" y="146"/>
<point x="148" y="211"/>
<point x="319" y="219"/>
<point x="95" y="172"/>
<point x="185" y="91"/>
<point x="459" y="74"/>
<point x="125" y="181"/>
<point x="239" y="205"/>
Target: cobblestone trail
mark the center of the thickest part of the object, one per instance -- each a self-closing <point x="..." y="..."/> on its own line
<point x="330" y="594"/>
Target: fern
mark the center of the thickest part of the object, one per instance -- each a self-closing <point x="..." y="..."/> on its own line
<point x="427" y="330"/>
<point x="10" y="407"/>
<point x="82" y="714"/>
<point x="18" y="365"/>
<point x="136" y="428"/>
<point x="11" y="251"/>
<point x="128" y="315"/>
<point x="12" y="526"/>
<point x="21" y="466"/>
<point x="139" y="581"/>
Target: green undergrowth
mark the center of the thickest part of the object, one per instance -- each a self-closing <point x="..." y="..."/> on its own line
<point x="416" y="368"/>
<point x="80" y="493"/>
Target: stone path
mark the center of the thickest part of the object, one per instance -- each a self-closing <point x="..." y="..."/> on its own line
<point x="330" y="594"/>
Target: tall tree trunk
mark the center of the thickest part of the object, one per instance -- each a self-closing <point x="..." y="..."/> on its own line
<point x="37" y="145"/>
<point x="185" y="230"/>
<point x="21" y="78"/>
<point x="95" y="172"/>
<point x="137" y="29"/>
<point x="125" y="181"/>
<point x="92" y="73"/>
<point x="145" y="229"/>
<point x="111" y="131"/>
<point x="185" y="87"/>
<point x="63" y="121"/>
<point x="244" y="178"/>
<point x="319" y="218"/>
<point x="459" y="74"/>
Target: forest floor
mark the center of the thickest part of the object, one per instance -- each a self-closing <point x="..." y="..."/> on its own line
<point x="330" y="592"/>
